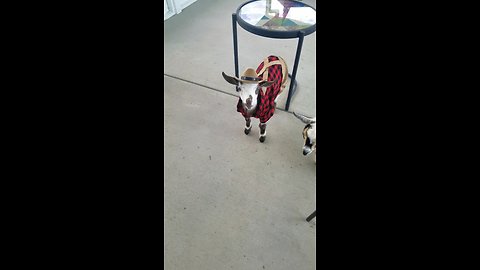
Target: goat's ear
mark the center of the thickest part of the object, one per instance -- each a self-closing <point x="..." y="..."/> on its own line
<point x="305" y="119"/>
<point x="266" y="83"/>
<point x="230" y="79"/>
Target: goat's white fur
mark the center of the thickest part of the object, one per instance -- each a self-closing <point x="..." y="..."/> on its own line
<point x="247" y="90"/>
<point x="311" y="134"/>
<point x="277" y="98"/>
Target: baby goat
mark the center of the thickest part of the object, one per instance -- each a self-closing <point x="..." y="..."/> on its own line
<point x="309" y="135"/>
<point x="271" y="74"/>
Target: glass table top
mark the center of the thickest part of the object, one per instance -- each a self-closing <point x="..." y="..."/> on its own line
<point x="278" y="15"/>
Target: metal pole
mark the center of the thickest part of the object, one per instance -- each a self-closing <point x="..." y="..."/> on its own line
<point x="312" y="216"/>
<point x="291" y="91"/>
<point x="235" y="46"/>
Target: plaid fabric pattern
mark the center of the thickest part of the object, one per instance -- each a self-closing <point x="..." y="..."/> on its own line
<point x="266" y="102"/>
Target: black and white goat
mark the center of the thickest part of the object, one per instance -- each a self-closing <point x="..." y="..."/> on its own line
<point x="309" y="134"/>
<point x="259" y="90"/>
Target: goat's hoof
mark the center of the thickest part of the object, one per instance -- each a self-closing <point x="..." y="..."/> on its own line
<point x="262" y="138"/>
<point x="247" y="131"/>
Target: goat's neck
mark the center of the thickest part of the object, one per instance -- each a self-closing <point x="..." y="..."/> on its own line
<point x="250" y="112"/>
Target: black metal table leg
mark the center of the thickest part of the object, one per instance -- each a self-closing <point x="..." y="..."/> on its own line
<point x="301" y="34"/>
<point x="294" y="84"/>
<point x="235" y="46"/>
<point x="312" y="216"/>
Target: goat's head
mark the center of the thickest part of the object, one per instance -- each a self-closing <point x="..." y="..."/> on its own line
<point x="309" y="133"/>
<point x="248" y="86"/>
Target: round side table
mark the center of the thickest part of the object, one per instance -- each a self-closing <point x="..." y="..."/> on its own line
<point x="280" y="19"/>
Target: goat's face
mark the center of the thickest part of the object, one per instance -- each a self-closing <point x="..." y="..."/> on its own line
<point x="247" y="90"/>
<point x="310" y="139"/>
<point x="248" y="93"/>
<point x="309" y="133"/>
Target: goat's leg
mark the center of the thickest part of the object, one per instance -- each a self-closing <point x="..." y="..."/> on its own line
<point x="248" y="125"/>
<point x="263" y="132"/>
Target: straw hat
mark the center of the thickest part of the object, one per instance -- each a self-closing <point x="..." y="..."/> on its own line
<point x="248" y="76"/>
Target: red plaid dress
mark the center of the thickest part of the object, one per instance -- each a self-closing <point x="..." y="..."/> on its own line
<point x="266" y="102"/>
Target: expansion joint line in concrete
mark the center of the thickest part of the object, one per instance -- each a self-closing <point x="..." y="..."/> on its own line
<point x="208" y="87"/>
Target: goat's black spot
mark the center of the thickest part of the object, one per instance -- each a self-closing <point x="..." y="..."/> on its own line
<point x="308" y="142"/>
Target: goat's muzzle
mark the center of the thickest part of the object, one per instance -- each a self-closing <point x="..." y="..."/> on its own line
<point x="249" y="102"/>
<point x="307" y="150"/>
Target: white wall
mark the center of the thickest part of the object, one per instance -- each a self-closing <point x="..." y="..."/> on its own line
<point x="168" y="9"/>
<point x="165" y="8"/>
<point x="181" y="4"/>
<point x="172" y="7"/>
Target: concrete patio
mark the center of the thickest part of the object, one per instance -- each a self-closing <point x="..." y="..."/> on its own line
<point x="230" y="201"/>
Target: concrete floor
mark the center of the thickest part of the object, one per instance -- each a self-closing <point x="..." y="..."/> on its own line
<point x="199" y="46"/>
<point x="230" y="201"/>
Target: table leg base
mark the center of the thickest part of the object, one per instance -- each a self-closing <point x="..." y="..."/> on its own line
<point x="312" y="216"/>
<point x="294" y="87"/>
